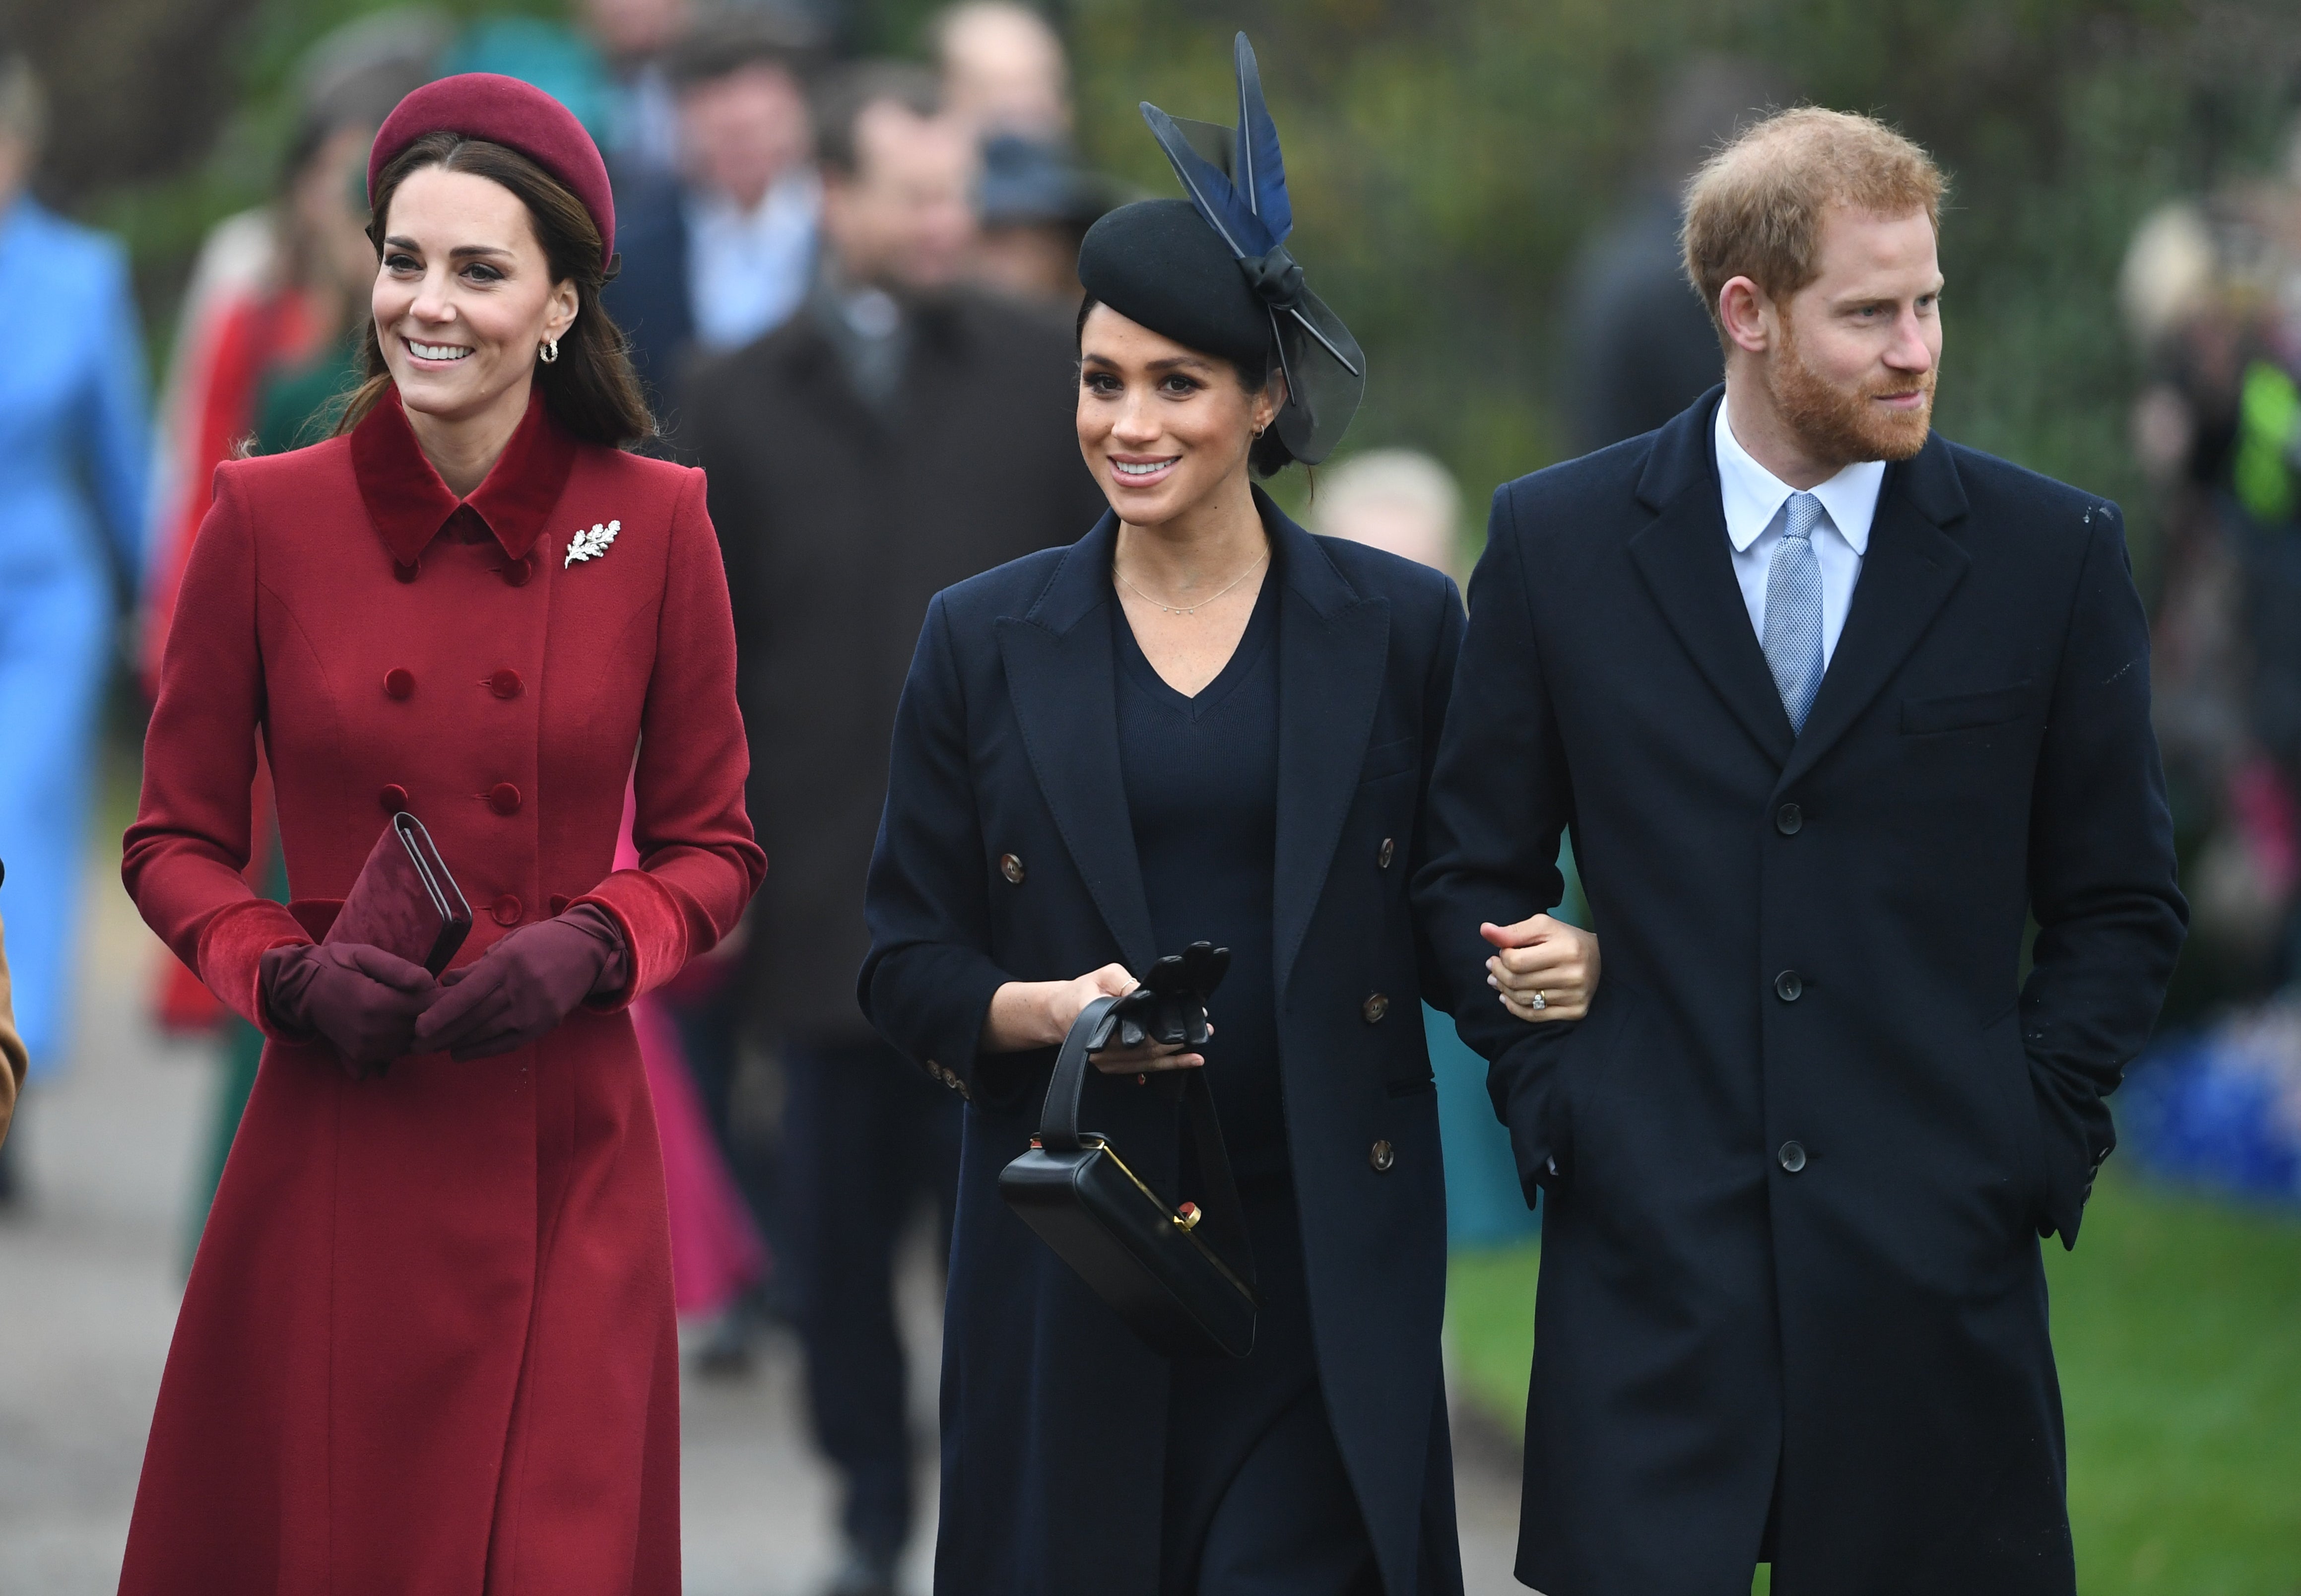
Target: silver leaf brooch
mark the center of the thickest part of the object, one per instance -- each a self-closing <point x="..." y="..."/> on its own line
<point x="590" y="545"/>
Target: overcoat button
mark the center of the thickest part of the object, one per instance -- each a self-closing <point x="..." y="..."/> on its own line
<point x="1381" y="1155"/>
<point x="1011" y="868"/>
<point x="505" y="683"/>
<point x="399" y="683"/>
<point x="508" y="909"/>
<point x="517" y="572"/>
<point x="1373" y="1008"/>
<point x="1385" y="854"/>
<point x="559" y="903"/>
<point x="1788" y="986"/>
<point x="406" y="570"/>
<point x="503" y="797"/>
<point x="1788" y="820"/>
<point x="1792" y="1157"/>
<point x="393" y="798"/>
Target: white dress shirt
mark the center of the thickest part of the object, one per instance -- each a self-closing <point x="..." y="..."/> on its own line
<point x="1755" y="500"/>
<point x="747" y="270"/>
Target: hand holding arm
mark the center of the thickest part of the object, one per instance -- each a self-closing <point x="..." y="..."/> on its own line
<point x="1543" y="958"/>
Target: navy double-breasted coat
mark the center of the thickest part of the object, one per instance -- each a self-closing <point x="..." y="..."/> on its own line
<point x="1006" y="853"/>
<point x="1808" y="1138"/>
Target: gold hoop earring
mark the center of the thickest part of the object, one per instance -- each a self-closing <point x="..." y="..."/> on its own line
<point x="550" y="350"/>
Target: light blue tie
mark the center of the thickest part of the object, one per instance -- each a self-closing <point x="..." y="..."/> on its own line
<point x="1792" y="639"/>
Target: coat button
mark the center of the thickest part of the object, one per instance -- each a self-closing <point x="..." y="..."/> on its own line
<point x="1792" y="1157"/>
<point x="1373" y="1008"/>
<point x="1789" y="986"/>
<point x="406" y="570"/>
<point x="503" y="797"/>
<point x="1788" y="820"/>
<point x="517" y="572"/>
<point x="1381" y="1155"/>
<point x="1385" y="854"/>
<point x="505" y="683"/>
<point x="393" y="798"/>
<point x="399" y="683"/>
<point x="559" y="901"/>
<point x="507" y="909"/>
<point x="1011" y="868"/>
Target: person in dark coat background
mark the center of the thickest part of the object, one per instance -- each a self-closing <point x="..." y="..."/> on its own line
<point x="899" y="434"/>
<point x="1196" y="722"/>
<point x="1641" y="343"/>
<point x="1832" y="707"/>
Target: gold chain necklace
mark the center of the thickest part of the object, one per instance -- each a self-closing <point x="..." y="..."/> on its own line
<point x="1175" y="609"/>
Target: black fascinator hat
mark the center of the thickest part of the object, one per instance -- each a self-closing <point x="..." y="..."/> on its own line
<point x="1212" y="271"/>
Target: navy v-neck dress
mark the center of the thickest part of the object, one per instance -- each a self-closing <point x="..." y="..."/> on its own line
<point x="1256" y="1493"/>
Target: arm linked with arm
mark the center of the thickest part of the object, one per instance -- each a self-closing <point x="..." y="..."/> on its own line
<point x="1499" y="802"/>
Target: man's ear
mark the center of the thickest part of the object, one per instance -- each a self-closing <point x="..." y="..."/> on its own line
<point x="1746" y="314"/>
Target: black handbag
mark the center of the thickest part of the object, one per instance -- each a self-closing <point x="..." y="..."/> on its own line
<point x="1180" y="1277"/>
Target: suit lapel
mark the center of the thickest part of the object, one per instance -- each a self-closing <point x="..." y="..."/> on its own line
<point x="1688" y="564"/>
<point x="1333" y="645"/>
<point x="1059" y="679"/>
<point x="1909" y="569"/>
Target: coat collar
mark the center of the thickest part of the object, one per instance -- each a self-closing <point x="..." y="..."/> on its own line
<point x="1909" y="567"/>
<point x="409" y="504"/>
<point x="1332" y="644"/>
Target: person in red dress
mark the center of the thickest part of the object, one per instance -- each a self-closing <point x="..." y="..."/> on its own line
<point x="428" y="1343"/>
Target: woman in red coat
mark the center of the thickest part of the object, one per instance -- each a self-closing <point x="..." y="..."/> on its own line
<point x="428" y="1343"/>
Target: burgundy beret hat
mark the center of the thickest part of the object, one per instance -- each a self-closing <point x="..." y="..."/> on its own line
<point x="517" y="116"/>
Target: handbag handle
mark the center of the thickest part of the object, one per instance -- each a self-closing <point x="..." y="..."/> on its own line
<point x="1226" y="1222"/>
<point x="1058" y="1129"/>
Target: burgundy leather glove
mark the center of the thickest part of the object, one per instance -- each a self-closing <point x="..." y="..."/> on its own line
<point x="361" y="998"/>
<point x="519" y="990"/>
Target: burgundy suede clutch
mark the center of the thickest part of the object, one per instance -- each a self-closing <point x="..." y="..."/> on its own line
<point x="404" y="901"/>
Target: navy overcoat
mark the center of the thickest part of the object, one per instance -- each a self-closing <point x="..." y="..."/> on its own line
<point x="1816" y="1122"/>
<point x="1006" y="853"/>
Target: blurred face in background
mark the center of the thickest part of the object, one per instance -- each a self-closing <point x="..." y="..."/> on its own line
<point x="635" y="27"/>
<point x="327" y="212"/>
<point x="742" y="131"/>
<point x="1004" y="72"/>
<point x="904" y="220"/>
<point x="464" y="296"/>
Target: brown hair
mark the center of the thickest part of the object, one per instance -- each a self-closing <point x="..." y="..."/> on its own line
<point x="1754" y="209"/>
<point x="591" y="390"/>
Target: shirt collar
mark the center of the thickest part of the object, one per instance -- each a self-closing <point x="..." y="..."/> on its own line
<point x="1754" y="495"/>
<point x="409" y="504"/>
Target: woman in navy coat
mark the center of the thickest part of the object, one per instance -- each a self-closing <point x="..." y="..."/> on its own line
<point x="1199" y="722"/>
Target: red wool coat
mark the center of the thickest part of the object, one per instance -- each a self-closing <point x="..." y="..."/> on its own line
<point x="428" y="1343"/>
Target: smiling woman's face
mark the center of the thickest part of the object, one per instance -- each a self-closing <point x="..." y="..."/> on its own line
<point x="464" y="297"/>
<point x="1162" y="426"/>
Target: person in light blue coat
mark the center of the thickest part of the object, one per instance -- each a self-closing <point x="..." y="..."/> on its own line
<point x="73" y="457"/>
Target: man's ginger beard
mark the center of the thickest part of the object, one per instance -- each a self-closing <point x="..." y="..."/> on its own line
<point x="1840" y="426"/>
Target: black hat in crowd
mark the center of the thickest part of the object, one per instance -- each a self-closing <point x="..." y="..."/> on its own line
<point x="1212" y="271"/>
